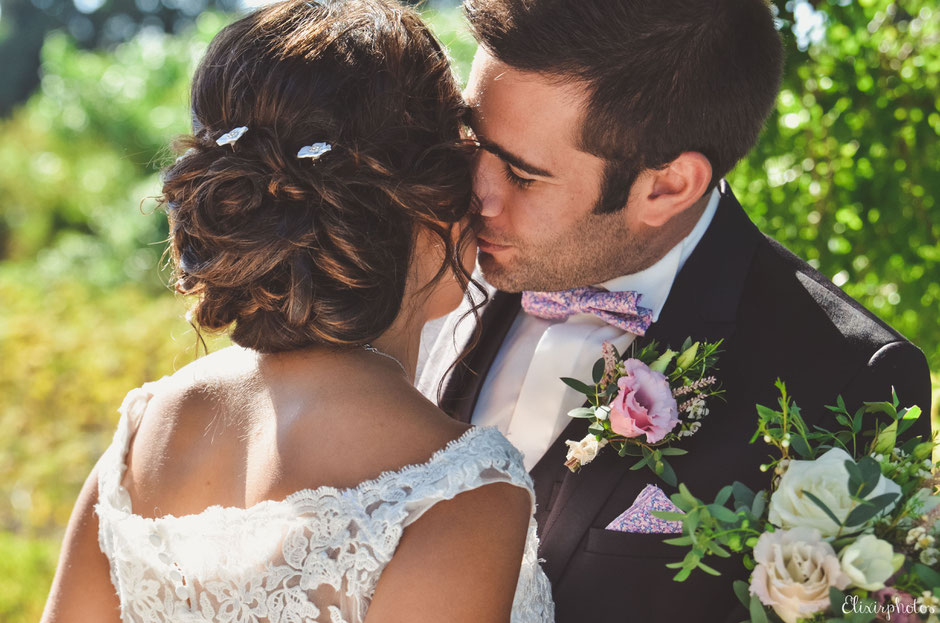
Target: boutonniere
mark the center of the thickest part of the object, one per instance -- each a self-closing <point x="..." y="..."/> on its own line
<point x="643" y="404"/>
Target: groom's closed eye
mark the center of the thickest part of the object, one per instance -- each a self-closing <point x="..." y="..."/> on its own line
<point x="516" y="180"/>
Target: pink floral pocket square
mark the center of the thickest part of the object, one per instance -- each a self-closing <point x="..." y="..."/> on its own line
<point x="638" y="520"/>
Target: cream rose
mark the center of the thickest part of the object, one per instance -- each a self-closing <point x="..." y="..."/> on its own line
<point x="869" y="561"/>
<point x="794" y="571"/>
<point x="583" y="452"/>
<point x="827" y="479"/>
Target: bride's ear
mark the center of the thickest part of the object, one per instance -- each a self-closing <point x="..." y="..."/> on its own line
<point x="669" y="191"/>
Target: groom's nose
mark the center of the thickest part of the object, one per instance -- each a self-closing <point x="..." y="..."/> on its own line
<point x="486" y="183"/>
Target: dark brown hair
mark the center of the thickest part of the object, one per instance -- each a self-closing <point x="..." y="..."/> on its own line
<point x="294" y="251"/>
<point x="664" y="76"/>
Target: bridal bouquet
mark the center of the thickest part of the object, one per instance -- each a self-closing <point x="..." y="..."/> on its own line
<point x="633" y="404"/>
<point x="849" y="531"/>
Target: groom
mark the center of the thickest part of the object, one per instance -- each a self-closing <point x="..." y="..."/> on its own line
<point x="605" y="131"/>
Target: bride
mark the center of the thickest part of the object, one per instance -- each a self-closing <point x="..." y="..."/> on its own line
<point x="298" y="476"/>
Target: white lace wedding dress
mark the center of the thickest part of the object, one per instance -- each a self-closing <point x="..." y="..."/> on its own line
<point x="314" y="557"/>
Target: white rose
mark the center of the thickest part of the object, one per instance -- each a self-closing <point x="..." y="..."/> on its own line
<point x="794" y="571"/>
<point x="827" y="479"/>
<point x="585" y="450"/>
<point x="869" y="562"/>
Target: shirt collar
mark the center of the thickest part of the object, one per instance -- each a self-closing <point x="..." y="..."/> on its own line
<point x="655" y="283"/>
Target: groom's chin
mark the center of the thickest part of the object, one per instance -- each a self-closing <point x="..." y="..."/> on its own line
<point x="497" y="273"/>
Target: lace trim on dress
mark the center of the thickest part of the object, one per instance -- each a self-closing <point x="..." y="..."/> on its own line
<point x="315" y="556"/>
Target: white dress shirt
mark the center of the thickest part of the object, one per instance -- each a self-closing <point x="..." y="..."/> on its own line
<point x="522" y="395"/>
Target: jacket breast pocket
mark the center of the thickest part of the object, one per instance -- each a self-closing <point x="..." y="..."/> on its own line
<point x="632" y="545"/>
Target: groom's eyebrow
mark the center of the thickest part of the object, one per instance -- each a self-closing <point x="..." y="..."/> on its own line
<point x="504" y="154"/>
<point x="512" y="158"/>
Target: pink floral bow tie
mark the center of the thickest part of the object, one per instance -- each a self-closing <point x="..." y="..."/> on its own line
<point x="619" y="309"/>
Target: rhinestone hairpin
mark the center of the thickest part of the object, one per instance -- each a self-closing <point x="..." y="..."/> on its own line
<point x="314" y="151"/>
<point x="231" y="137"/>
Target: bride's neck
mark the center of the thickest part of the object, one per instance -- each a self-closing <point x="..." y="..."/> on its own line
<point x="402" y="341"/>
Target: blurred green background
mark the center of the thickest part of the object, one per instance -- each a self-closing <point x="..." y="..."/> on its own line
<point x="92" y="91"/>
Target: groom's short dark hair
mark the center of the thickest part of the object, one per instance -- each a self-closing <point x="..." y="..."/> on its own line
<point x="664" y="76"/>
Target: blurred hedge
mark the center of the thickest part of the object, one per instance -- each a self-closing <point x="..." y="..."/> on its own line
<point x="845" y="175"/>
<point x="846" y="172"/>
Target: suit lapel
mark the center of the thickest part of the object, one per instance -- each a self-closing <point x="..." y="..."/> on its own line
<point x="702" y="304"/>
<point x="466" y="380"/>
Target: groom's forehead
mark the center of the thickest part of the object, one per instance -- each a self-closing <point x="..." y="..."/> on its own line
<point x="513" y="107"/>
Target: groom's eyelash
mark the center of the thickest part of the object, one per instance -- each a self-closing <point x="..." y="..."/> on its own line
<point x="515" y="180"/>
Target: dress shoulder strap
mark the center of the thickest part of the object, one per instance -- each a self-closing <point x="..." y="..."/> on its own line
<point x="480" y="457"/>
<point x="113" y="463"/>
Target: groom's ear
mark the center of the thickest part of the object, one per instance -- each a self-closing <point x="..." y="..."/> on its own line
<point x="670" y="191"/>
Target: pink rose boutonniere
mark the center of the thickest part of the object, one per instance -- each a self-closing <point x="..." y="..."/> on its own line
<point x="645" y="404"/>
<point x="633" y="404"/>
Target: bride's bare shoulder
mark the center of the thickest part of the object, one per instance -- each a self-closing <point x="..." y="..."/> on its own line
<point x="190" y="434"/>
<point x="368" y="430"/>
<point x="295" y="423"/>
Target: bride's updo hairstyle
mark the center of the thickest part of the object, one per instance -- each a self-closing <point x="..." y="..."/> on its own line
<point x="302" y="251"/>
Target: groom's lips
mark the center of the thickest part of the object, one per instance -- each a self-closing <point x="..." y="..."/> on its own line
<point x="490" y="247"/>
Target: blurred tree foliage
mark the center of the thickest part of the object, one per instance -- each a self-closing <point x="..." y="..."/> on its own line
<point x="846" y="172"/>
<point x="845" y="175"/>
<point x="91" y="23"/>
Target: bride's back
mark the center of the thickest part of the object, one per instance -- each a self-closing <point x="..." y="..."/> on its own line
<point x="236" y="428"/>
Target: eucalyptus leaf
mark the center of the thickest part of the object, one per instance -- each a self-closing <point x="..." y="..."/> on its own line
<point x="724" y="494"/>
<point x="673" y="451"/>
<point x="836" y="599"/>
<point x="862" y="513"/>
<point x="582" y="412"/>
<point x="856" y="477"/>
<point x="578" y="386"/>
<point x="743" y="592"/>
<point x="799" y="445"/>
<point x="668" y="474"/>
<point x="759" y="504"/>
<point x="743" y="495"/>
<point x="815" y="500"/>
<point x="598" y="371"/>
<point x="756" y="610"/>
<point x="722" y="514"/>
<point x="871" y="474"/>
<point x="930" y="577"/>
